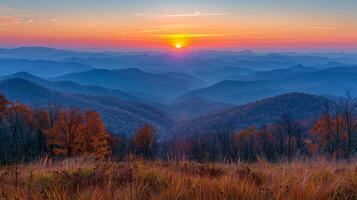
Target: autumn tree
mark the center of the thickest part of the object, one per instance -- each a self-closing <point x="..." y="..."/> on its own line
<point x="94" y="139"/>
<point x="328" y="138"/>
<point x="64" y="137"/>
<point x="145" y="140"/>
<point x="337" y="127"/>
<point x="22" y="132"/>
<point x="347" y="107"/>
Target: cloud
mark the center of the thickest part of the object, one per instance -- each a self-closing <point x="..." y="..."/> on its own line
<point x="30" y="21"/>
<point x="191" y="35"/>
<point x="320" y="28"/>
<point x="194" y="14"/>
<point x="7" y="20"/>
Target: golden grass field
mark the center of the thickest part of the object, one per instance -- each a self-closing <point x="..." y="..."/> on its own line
<point x="88" y="179"/>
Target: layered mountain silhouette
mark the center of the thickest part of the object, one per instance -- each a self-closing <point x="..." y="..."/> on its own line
<point x="257" y="85"/>
<point x="300" y="105"/>
<point x="121" y="117"/>
<point x="43" y="68"/>
<point x="178" y="92"/>
<point x="135" y="80"/>
<point x="195" y="107"/>
<point x="71" y="87"/>
<point x="221" y="74"/>
<point x="41" y="53"/>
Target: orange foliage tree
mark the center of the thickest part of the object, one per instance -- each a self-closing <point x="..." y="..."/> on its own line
<point x="64" y="136"/>
<point x="145" y="140"/>
<point x="79" y="134"/>
<point x="334" y="135"/>
<point x="94" y="138"/>
<point x="26" y="134"/>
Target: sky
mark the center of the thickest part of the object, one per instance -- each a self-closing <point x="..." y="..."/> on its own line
<point x="186" y="24"/>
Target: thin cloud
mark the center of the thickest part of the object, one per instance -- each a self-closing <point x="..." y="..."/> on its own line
<point x="320" y="28"/>
<point x="191" y="35"/>
<point x="194" y="14"/>
<point x="6" y="20"/>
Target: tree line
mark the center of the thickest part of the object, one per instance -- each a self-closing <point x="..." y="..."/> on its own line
<point x="333" y="135"/>
<point x="27" y="134"/>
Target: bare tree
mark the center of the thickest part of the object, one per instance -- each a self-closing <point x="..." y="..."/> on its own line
<point x="224" y="132"/>
<point x="290" y="135"/>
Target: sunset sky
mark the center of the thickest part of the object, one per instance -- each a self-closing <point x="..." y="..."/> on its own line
<point x="161" y="24"/>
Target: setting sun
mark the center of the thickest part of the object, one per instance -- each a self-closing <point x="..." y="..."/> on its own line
<point x="178" y="46"/>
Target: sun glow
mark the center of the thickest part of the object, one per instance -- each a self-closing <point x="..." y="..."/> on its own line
<point x="178" y="46"/>
<point x="177" y="41"/>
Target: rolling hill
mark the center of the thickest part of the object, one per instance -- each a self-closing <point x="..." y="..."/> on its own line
<point x="121" y="117"/>
<point x="234" y="92"/>
<point x="71" y="87"/>
<point x="194" y="81"/>
<point x="195" y="107"/>
<point x="300" y="105"/>
<point x="222" y="73"/>
<point x="330" y="81"/>
<point x="135" y="80"/>
<point x="43" y="68"/>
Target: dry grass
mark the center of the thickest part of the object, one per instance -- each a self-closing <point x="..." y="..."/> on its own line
<point x="88" y="179"/>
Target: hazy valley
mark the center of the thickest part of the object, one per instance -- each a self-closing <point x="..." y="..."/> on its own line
<point x="175" y="89"/>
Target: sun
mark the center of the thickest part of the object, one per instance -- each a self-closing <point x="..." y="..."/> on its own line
<point x="178" y="45"/>
<point x="178" y="41"/>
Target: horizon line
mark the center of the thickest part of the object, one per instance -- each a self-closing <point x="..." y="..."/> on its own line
<point x="188" y="50"/>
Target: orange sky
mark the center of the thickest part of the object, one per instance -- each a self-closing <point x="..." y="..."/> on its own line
<point x="164" y="25"/>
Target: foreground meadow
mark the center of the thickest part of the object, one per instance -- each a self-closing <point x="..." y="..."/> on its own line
<point x="88" y="179"/>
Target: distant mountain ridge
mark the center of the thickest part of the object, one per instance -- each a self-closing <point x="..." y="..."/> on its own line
<point x="135" y="80"/>
<point x="121" y="117"/>
<point x="71" y="87"/>
<point x="43" y="68"/>
<point x="266" y="111"/>
<point x="195" y="107"/>
<point x="257" y="85"/>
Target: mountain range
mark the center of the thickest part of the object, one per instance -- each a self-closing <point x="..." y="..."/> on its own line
<point x="257" y="85"/>
<point x="266" y="111"/>
<point x="178" y="92"/>
<point x="124" y="117"/>
<point x="166" y="86"/>
<point x="120" y="116"/>
<point x="43" y="68"/>
<point x="71" y="87"/>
